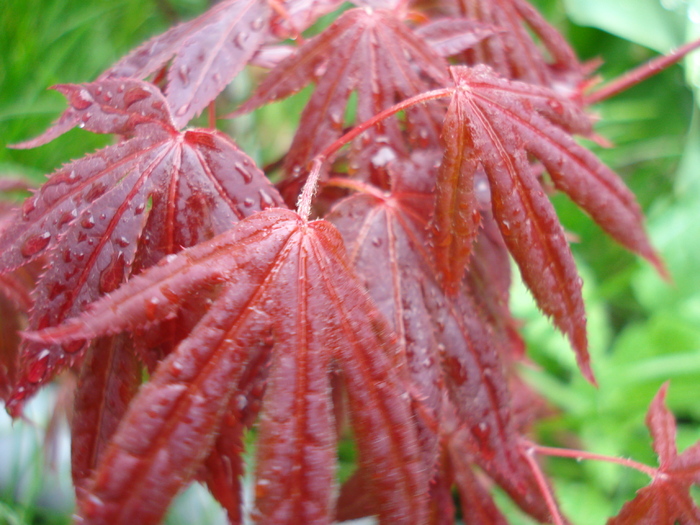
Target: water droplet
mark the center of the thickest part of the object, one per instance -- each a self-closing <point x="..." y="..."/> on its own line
<point x="248" y="202"/>
<point x="87" y="116"/>
<point x="377" y="242"/>
<point x="28" y="206"/>
<point x="98" y="90"/>
<point x="482" y="433"/>
<point x="37" y="370"/>
<point x="67" y="256"/>
<point x="240" y="39"/>
<point x="265" y="200"/>
<point x="505" y="228"/>
<point x="247" y="176"/>
<point x="113" y="275"/>
<point x="152" y="308"/>
<point x="35" y="243"/>
<point x="122" y="241"/>
<point x="182" y="110"/>
<point x="139" y="209"/>
<point x="183" y="73"/>
<point x="87" y="221"/>
<point x="134" y="95"/>
<point x="176" y="369"/>
<point x="556" y="106"/>
<point x="81" y="125"/>
<point x="80" y="256"/>
<point x="257" y="24"/>
<point x="81" y="99"/>
<point x="120" y="89"/>
<point x="320" y="69"/>
<point x="216" y="77"/>
<point x="108" y="96"/>
<point x="383" y="157"/>
<point x="73" y="346"/>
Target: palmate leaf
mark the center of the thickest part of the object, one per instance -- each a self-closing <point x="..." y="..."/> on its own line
<point x="131" y="203"/>
<point x="286" y="278"/>
<point x="371" y="52"/>
<point x="208" y="51"/>
<point x="496" y="123"/>
<point x="444" y="339"/>
<point x="512" y="52"/>
<point x="667" y="499"/>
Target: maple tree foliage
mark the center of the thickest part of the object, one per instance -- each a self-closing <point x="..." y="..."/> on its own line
<point x="385" y="318"/>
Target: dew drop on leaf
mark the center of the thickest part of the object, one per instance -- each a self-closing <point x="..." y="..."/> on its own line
<point x="247" y="177"/>
<point x="34" y="244"/>
<point x="256" y="25"/>
<point x="28" y="206"/>
<point x="81" y="100"/>
<point x="183" y="73"/>
<point x="112" y="276"/>
<point x="265" y="200"/>
<point x="72" y="347"/>
<point x="240" y="39"/>
<point x="482" y="433"/>
<point x="37" y="370"/>
<point x="87" y="222"/>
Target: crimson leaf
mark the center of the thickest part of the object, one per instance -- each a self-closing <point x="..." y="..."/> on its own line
<point x="667" y="499"/>
<point x="283" y="273"/>
<point x="138" y="200"/>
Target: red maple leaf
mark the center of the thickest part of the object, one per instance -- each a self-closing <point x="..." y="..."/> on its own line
<point x="128" y="204"/>
<point x="371" y="52"/>
<point x="667" y="499"/>
<point x="495" y="123"/>
<point x="281" y="276"/>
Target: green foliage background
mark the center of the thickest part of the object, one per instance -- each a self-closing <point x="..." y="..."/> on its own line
<point x="643" y="331"/>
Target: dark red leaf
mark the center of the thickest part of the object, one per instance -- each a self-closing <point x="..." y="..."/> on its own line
<point x="667" y="499"/>
<point x="208" y="51"/>
<point x="136" y="201"/>
<point x="368" y="51"/>
<point x="108" y="380"/>
<point x="503" y="121"/>
<point x="390" y="231"/>
<point x="513" y="52"/>
<point x="284" y="274"/>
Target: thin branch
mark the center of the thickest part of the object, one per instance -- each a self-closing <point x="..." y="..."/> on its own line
<point x="640" y="74"/>
<point x="580" y="454"/>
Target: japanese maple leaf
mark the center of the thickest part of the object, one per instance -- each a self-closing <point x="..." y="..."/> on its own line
<point x="512" y="52"/>
<point x="495" y="123"/>
<point x="371" y="52"/>
<point x="667" y="499"/>
<point x="208" y="52"/>
<point x="281" y="276"/>
<point x="444" y="339"/>
<point x="131" y="203"/>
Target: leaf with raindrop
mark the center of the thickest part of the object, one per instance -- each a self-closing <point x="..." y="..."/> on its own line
<point x="283" y="277"/>
<point x="131" y="203"/>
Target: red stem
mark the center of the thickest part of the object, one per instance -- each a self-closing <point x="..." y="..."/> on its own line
<point x="580" y="454"/>
<point x="640" y="74"/>
<point x="542" y="482"/>
<point x="361" y="128"/>
<point x="307" y="193"/>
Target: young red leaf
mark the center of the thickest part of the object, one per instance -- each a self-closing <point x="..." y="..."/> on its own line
<point x="435" y="328"/>
<point x="108" y="380"/>
<point x="209" y="52"/>
<point x="285" y="274"/>
<point x="141" y="199"/>
<point x="368" y="51"/>
<point x="296" y="16"/>
<point x="456" y="221"/>
<point x="512" y="51"/>
<point x="667" y="499"/>
<point x="504" y="121"/>
<point x="450" y="36"/>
